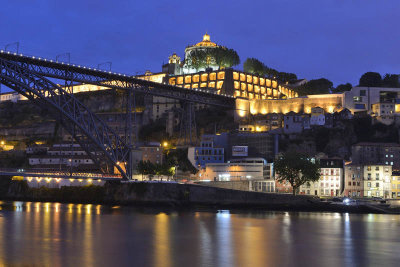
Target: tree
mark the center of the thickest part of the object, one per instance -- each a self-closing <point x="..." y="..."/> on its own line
<point x="296" y="169"/>
<point x="371" y="79"/>
<point x="221" y="56"/>
<point x="146" y="168"/>
<point x="342" y="88"/>
<point x="254" y="66"/>
<point x="286" y="77"/>
<point x="196" y="59"/>
<point x="391" y="81"/>
<point x="313" y="87"/>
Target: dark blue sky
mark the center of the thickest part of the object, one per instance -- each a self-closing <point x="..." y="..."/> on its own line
<point x="336" y="39"/>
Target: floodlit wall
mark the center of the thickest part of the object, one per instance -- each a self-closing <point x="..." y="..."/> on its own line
<point x="329" y="102"/>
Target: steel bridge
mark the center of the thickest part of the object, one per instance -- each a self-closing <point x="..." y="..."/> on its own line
<point x="32" y="77"/>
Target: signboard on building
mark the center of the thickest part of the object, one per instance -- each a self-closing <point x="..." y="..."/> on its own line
<point x="240" y="151"/>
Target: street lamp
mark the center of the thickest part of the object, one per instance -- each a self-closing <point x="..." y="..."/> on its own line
<point x="109" y="63"/>
<point x="68" y="55"/>
<point x="12" y="44"/>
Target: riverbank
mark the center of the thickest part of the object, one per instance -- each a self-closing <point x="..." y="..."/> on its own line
<point x="174" y="195"/>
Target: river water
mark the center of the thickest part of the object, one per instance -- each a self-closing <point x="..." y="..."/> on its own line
<point x="54" y="234"/>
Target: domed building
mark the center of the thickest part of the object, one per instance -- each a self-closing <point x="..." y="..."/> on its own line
<point x="205" y="44"/>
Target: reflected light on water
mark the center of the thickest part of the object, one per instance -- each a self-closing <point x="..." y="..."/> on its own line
<point x="224" y="234"/>
<point x="55" y="234"/>
<point x="162" y="244"/>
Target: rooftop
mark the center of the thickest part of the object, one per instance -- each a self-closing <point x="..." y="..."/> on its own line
<point x="206" y="42"/>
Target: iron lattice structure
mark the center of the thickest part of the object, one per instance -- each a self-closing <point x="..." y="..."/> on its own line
<point x="29" y="77"/>
<point x="94" y="136"/>
<point x="109" y="79"/>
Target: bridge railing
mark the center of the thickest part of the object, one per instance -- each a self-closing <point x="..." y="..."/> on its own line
<point x="44" y="172"/>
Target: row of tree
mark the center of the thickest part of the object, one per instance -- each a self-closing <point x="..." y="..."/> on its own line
<point x="204" y="58"/>
<point x="374" y="79"/>
<point x="149" y="168"/>
<point x="253" y="65"/>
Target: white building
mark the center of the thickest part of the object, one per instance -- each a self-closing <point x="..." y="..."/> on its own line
<point x="237" y="170"/>
<point x="331" y="180"/>
<point x="317" y="116"/>
<point x="384" y="112"/>
<point x="377" y="181"/>
<point x="295" y="123"/>
<point x="63" y="155"/>
<point x="362" y="98"/>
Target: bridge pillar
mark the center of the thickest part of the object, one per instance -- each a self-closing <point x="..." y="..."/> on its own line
<point x="188" y="131"/>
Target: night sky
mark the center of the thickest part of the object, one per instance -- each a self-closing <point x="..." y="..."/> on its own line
<point x="335" y="39"/>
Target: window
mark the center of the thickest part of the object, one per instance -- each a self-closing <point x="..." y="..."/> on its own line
<point x="377" y="184"/>
<point x="363" y="93"/>
<point x="359" y="106"/>
<point x="357" y="99"/>
<point x="369" y="184"/>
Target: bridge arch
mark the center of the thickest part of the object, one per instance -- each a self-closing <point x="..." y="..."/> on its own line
<point x="90" y="131"/>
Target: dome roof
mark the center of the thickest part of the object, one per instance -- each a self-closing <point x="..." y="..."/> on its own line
<point x="206" y="41"/>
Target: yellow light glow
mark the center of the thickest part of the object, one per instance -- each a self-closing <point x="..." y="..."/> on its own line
<point x="165" y="144"/>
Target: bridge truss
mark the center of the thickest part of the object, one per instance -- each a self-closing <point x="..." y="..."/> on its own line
<point x="31" y="77"/>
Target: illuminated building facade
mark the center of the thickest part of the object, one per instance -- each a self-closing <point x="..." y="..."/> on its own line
<point x="395" y="182"/>
<point x="353" y="181"/>
<point x="328" y="102"/>
<point x="237" y="170"/>
<point x="331" y="180"/>
<point x="235" y="83"/>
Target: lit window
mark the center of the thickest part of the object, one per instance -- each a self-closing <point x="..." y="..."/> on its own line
<point x="249" y="78"/>
<point x="172" y="81"/>
<point x="235" y="75"/>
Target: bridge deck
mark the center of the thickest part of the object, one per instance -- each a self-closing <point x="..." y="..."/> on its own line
<point x="58" y="174"/>
<point x="83" y="74"/>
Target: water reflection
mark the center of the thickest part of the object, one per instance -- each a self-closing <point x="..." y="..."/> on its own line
<point x="54" y="234"/>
